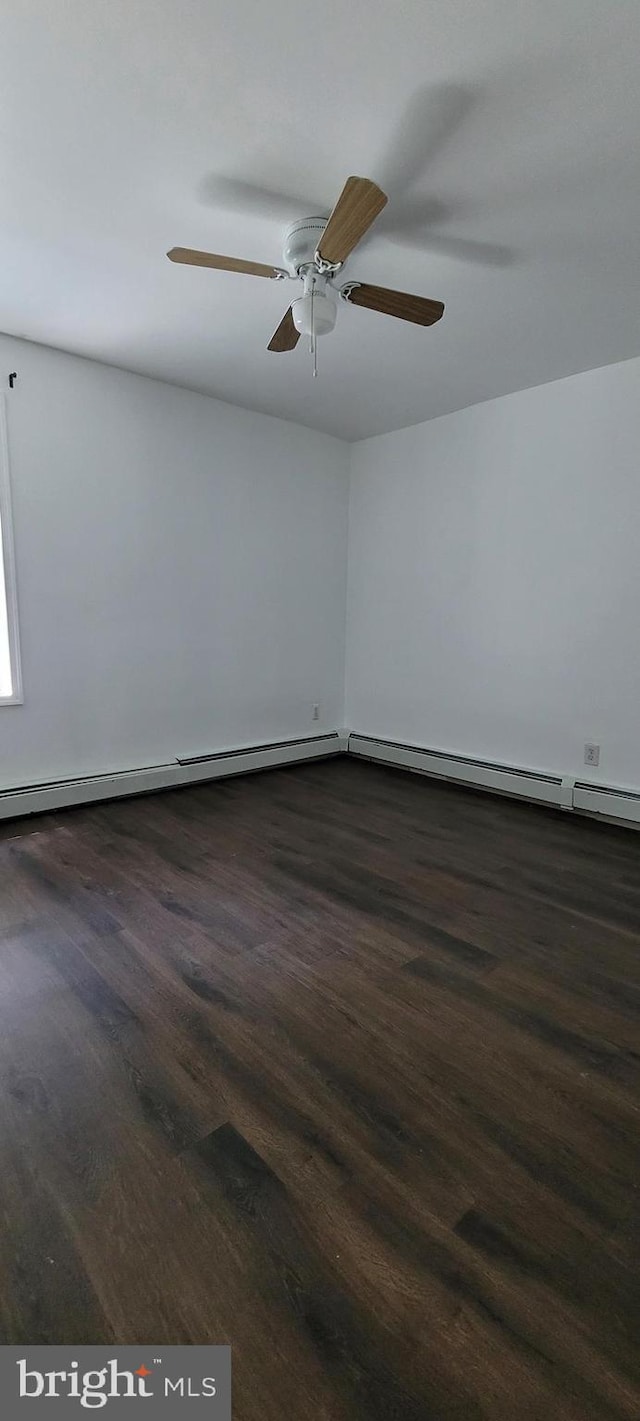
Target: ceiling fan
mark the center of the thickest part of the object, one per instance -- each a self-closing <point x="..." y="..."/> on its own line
<point x="314" y="252"/>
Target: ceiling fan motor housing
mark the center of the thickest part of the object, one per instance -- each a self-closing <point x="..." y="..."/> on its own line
<point x="301" y="243"/>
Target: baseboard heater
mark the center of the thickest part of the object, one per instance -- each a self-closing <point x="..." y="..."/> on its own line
<point x="562" y="791"/>
<point x="37" y="798"/>
<point x="607" y="800"/>
<point x="610" y="802"/>
<point x="477" y="773"/>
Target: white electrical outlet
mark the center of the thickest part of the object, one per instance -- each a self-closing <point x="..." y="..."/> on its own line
<point x="591" y="754"/>
<point x="316" y="712"/>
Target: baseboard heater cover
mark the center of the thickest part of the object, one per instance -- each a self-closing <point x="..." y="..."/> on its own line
<point x="484" y="774"/>
<point x="594" y="799"/>
<point x="59" y="794"/>
<point x="212" y="755"/>
<point x="613" y="802"/>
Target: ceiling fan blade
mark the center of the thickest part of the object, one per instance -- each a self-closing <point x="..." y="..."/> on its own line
<point x="394" y="303"/>
<point x="466" y="249"/>
<point x="238" y="195"/>
<point x="432" y="117"/>
<point x="357" y="207"/>
<point x="286" y="336"/>
<point x="188" y="257"/>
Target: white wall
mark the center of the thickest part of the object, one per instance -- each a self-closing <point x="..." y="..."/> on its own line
<point x="182" y="566"/>
<point x="494" y="579"/>
<point x="181" y="571"/>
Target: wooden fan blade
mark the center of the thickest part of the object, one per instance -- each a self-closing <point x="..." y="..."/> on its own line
<point x="187" y="257"/>
<point x="358" y="205"/>
<point x="286" y="336"/>
<point x="395" y="303"/>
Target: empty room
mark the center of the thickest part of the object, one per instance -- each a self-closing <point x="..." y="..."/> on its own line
<point x="319" y="688"/>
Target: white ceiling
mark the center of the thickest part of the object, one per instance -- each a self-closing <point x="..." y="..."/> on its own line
<point x="505" y="132"/>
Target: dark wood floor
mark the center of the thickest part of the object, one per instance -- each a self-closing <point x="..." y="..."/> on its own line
<point x="341" y="1066"/>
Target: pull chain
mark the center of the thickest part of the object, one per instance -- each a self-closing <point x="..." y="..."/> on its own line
<point x="313" y="339"/>
<point x="314" y="342"/>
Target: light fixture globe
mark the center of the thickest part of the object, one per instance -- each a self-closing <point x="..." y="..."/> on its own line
<point x="314" y="313"/>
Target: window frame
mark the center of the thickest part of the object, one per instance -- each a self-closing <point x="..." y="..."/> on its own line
<point x="8" y="557"/>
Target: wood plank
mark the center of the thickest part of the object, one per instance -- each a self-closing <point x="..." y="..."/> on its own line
<point x="340" y="1065"/>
